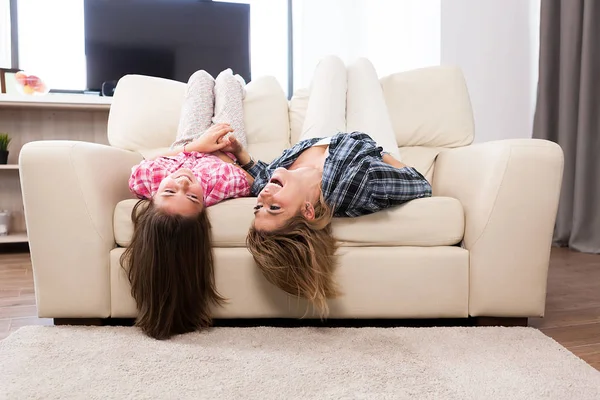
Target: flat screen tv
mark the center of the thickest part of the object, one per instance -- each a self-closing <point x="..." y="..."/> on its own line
<point x="164" y="38"/>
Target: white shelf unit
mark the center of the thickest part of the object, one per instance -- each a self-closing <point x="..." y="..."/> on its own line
<point x="57" y="101"/>
<point x="26" y="119"/>
<point x="10" y="199"/>
<point x="16" y="237"/>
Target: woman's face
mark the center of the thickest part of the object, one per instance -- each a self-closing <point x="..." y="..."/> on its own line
<point x="180" y="193"/>
<point x="287" y="194"/>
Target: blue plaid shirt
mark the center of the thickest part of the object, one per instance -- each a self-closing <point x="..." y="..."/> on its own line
<point x="356" y="181"/>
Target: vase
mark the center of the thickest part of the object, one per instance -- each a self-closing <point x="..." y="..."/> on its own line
<point x="3" y="156"/>
<point x="31" y="85"/>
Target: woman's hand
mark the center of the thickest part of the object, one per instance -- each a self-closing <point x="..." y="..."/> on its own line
<point x="236" y="148"/>
<point x="211" y="140"/>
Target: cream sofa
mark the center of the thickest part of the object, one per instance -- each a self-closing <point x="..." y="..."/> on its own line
<point x="479" y="247"/>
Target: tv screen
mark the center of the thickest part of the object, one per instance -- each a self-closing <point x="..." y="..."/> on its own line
<point x="164" y="38"/>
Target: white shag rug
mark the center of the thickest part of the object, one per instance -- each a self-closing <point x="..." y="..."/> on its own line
<point x="292" y="363"/>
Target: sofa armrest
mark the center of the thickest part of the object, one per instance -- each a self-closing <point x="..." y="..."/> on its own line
<point x="509" y="190"/>
<point x="70" y="190"/>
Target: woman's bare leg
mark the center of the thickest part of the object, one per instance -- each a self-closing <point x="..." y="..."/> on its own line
<point x="366" y="110"/>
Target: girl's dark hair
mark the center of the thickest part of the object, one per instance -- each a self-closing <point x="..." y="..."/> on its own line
<point x="171" y="271"/>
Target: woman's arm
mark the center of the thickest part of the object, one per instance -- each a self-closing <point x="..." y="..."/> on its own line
<point x="390" y="185"/>
<point x="388" y="159"/>
<point x="244" y="159"/>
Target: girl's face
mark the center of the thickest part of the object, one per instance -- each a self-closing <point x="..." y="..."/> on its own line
<point x="180" y="193"/>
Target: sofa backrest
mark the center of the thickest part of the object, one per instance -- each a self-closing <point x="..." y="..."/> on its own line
<point x="430" y="110"/>
<point x="145" y="113"/>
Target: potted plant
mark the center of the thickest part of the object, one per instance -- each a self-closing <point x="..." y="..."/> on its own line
<point x="4" y="142"/>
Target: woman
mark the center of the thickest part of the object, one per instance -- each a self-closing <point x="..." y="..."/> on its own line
<point x="345" y="175"/>
<point x="170" y="259"/>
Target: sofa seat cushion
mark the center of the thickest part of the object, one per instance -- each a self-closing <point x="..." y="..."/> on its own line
<point x="434" y="221"/>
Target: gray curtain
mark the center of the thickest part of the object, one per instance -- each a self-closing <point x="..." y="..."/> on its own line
<point x="568" y="113"/>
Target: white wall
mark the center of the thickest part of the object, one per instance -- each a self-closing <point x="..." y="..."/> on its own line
<point x="495" y="42"/>
<point x="395" y="35"/>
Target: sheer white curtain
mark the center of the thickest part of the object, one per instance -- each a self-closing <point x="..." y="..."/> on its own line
<point x="395" y="35"/>
<point x="51" y="41"/>
<point x="5" y="61"/>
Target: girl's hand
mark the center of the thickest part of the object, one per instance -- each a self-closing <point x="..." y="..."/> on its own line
<point x="211" y="140"/>
<point x="232" y="145"/>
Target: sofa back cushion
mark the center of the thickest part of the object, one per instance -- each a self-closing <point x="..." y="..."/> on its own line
<point x="266" y="118"/>
<point x="145" y="112"/>
<point x="298" y="106"/>
<point x="429" y="107"/>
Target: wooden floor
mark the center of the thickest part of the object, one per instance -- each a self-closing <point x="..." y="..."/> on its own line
<point x="572" y="308"/>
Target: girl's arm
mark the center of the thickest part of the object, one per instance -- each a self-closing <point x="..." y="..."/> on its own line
<point x="228" y="159"/>
<point x="168" y="153"/>
<point x="209" y="142"/>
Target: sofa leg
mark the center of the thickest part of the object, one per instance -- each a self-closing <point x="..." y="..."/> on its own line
<point x="79" y="321"/>
<point x="498" y="321"/>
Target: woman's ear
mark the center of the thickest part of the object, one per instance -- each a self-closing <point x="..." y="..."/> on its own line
<point x="308" y="211"/>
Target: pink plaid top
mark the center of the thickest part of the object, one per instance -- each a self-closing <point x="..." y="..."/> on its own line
<point x="219" y="179"/>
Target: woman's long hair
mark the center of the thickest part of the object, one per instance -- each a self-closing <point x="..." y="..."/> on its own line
<point x="299" y="258"/>
<point x="171" y="271"/>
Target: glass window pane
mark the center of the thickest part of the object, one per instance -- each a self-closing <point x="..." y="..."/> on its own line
<point x="5" y="61"/>
<point x="51" y="42"/>
<point x="268" y="39"/>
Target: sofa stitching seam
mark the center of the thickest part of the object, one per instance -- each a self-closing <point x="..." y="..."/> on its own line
<point x="495" y="200"/>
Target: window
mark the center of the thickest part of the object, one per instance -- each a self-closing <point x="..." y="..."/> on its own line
<point x="51" y="42"/>
<point x="395" y="35"/>
<point x="5" y="58"/>
<point x="268" y="38"/>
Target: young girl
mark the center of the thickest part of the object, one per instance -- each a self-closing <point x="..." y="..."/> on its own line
<point x="170" y="259"/>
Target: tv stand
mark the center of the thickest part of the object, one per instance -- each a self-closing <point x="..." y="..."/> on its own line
<point x="66" y="91"/>
<point x="55" y="116"/>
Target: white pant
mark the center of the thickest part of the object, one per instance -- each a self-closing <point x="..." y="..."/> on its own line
<point x="348" y="100"/>
<point x="366" y="110"/>
<point x="326" y="111"/>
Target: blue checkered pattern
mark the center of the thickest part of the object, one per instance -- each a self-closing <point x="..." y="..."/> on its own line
<point x="355" y="179"/>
